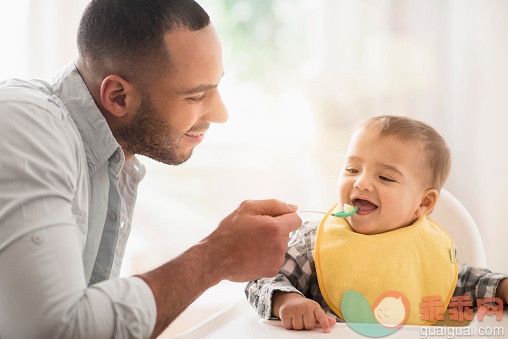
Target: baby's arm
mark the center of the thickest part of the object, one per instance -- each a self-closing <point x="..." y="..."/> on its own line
<point x="481" y="283"/>
<point x="502" y="291"/>
<point x="294" y="276"/>
<point x="299" y="313"/>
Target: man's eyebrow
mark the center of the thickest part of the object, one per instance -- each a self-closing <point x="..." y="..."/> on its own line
<point x="201" y="88"/>
<point x="392" y="168"/>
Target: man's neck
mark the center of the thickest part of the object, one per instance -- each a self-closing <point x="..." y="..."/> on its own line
<point x="93" y="83"/>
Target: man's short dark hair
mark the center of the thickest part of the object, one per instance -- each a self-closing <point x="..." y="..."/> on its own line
<point x="128" y="35"/>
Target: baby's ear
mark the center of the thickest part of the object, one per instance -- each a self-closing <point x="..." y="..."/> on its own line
<point x="427" y="203"/>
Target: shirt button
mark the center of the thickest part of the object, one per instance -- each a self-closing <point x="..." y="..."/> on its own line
<point x="111" y="216"/>
<point x="36" y="239"/>
<point x="117" y="157"/>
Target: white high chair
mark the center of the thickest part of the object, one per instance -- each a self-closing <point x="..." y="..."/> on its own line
<point x="456" y="220"/>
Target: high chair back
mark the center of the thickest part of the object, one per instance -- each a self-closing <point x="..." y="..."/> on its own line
<point x="450" y="214"/>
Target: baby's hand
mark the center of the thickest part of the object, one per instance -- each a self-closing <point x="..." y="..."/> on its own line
<point x="299" y="313"/>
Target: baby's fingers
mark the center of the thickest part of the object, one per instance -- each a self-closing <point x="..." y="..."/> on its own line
<point x="322" y="319"/>
<point x="309" y="320"/>
<point x="287" y="322"/>
<point x="297" y="322"/>
<point x="331" y="321"/>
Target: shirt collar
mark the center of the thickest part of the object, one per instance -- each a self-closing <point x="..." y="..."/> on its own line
<point x="98" y="139"/>
<point x="135" y="168"/>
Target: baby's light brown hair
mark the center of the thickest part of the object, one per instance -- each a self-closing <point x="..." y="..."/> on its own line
<point x="437" y="161"/>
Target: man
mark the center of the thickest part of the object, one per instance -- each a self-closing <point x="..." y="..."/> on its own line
<point x="145" y="82"/>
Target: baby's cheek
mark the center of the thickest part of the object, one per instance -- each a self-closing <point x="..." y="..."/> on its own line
<point x="400" y="200"/>
<point x="391" y="203"/>
<point x="393" y="211"/>
<point x="343" y="189"/>
<point x="403" y="212"/>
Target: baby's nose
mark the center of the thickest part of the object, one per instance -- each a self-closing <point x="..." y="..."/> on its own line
<point x="363" y="182"/>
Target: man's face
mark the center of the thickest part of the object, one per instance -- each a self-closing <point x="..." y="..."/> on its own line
<point x="381" y="176"/>
<point x="177" y="108"/>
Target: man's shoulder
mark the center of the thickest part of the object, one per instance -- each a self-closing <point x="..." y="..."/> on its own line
<point x="27" y="102"/>
<point x="24" y="90"/>
<point x="30" y="111"/>
<point x="27" y="99"/>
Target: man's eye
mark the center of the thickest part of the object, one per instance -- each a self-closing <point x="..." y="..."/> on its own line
<point x="386" y="179"/>
<point x="196" y="99"/>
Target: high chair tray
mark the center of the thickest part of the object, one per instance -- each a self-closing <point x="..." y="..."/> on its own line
<point x="240" y="321"/>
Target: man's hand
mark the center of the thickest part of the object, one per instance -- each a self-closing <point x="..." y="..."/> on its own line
<point x="299" y="313"/>
<point x="251" y="242"/>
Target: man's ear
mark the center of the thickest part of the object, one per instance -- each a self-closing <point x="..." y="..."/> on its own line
<point x="427" y="203"/>
<point x="119" y="96"/>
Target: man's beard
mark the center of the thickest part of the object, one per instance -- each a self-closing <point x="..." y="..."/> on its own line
<point x="148" y="134"/>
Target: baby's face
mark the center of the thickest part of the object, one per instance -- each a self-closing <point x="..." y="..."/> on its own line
<point x="382" y="177"/>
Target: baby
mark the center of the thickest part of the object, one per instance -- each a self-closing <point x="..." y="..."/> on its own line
<point x="393" y="172"/>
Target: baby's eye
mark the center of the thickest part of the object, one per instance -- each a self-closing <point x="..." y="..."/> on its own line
<point x="386" y="179"/>
<point x="351" y="170"/>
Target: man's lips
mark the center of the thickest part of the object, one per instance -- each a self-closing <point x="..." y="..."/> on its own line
<point x="195" y="137"/>
<point x="196" y="133"/>
<point x="365" y="206"/>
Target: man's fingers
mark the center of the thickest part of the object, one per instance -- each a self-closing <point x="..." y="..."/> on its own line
<point x="322" y="319"/>
<point x="271" y="207"/>
<point x="292" y="220"/>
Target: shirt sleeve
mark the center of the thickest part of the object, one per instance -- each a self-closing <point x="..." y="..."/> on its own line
<point x="43" y="292"/>
<point x="294" y="275"/>
<point x="45" y="295"/>
<point x="477" y="283"/>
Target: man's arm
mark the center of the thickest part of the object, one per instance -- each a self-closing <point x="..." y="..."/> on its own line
<point x="249" y="243"/>
<point x="43" y="291"/>
<point x="44" y="294"/>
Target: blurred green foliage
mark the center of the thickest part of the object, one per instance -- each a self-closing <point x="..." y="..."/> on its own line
<point x="263" y="36"/>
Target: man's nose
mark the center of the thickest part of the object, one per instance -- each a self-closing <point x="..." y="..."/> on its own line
<point x="363" y="182"/>
<point x="217" y="111"/>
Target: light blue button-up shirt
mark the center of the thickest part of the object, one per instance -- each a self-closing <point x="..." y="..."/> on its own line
<point x="66" y="201"/>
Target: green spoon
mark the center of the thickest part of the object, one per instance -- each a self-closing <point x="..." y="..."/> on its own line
<point x="341" y="214"/>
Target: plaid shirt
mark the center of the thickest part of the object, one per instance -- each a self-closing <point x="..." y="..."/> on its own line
<point x="298" y="274"/>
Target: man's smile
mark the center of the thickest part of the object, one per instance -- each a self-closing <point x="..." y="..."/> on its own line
<point x="195" y="137"/>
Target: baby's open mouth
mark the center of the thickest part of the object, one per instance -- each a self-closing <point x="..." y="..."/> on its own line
<point x="364" y="206"/>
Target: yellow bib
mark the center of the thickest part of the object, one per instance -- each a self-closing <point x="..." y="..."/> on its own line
<point x="417" y="260"/>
